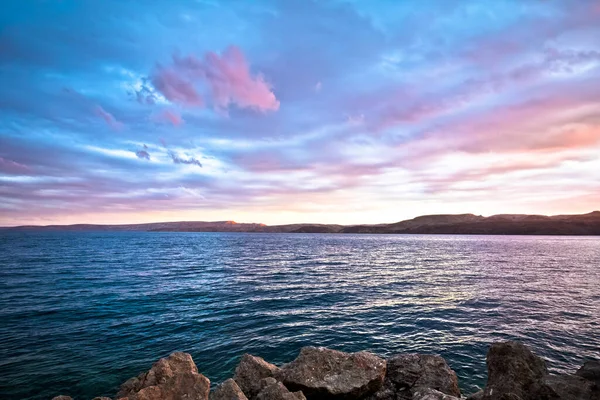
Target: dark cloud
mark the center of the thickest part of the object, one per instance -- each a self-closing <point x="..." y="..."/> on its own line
<point x="187" y="161"/>
<point x="143" y="154"/>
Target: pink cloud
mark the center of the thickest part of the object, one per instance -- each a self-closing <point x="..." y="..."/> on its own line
<point x="551" y="125"/>
<point x="170" y="116"/>
<point x="176" y="88"/>
<point x="533" y="126"/>
<point x="231" y="82"/>
<point x="12" y="167"/>
<point x="437" y="183"/>
<point x="226" y="78"/>
<point x="108" y="118"/>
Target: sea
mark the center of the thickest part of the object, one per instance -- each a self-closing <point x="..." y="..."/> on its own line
<point x="81" y="312"/>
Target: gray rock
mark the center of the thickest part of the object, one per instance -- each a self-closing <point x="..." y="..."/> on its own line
<point x="514" y="372"/>
<point x="277" y="391"/>
<point x="476" y="396"/>
<point x="408" y="372"/>
<point x="590" y="371"/>
<point x="568" y="387"/>
<point x="431" y="394"/>
<point x="62" y="398"/>
<point x="228" y="390"/>
<point x="324" y="373"/>
<point x="266" y="382"/>
<point x="431" y="371"/>
<point x="172" y="378"/>
<point x="249" y="373"/>
<point x="388" y="392"/>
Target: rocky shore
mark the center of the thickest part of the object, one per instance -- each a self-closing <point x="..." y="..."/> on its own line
<point x="514" y="373"/>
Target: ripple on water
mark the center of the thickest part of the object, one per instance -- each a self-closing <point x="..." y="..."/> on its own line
<point x="82" y="312"/>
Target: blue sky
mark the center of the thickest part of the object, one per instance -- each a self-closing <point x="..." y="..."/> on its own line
<point x="297" y="110"/>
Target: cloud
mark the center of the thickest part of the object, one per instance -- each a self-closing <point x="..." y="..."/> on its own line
<point x="145" y="95"/>
<point x="355" y="119"/>
<point x="143" y="154"/>
<point x="108" y="118"/>
<point x="438" y="110"/>
<point x="12" y="167"/>
<point x="415" y="108"/>
<point x="546" y="124"/>
<point x="483" y="170"/>
<point x="172" y="83"/>
<point x="226" y="78"/>
<point x="170" y="116"/>
<point x="178" y="160"/>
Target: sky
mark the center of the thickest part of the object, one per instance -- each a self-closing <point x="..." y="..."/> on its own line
<point x="291" y="111"/>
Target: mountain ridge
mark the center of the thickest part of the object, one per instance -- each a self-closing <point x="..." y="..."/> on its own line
<point x="499" y="224"/>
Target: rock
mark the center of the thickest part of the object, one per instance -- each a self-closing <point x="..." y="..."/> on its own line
<point x="101" y="398"/>
<point x="62" y="398"/>
<point x="228" y="390"/>
<point x="590" y="371"/>
<point x="431" y="394"/>
<point x="514" y="372"/>
<point x="388" y="392"/>
<point x="277" y="391"/>
<point x="408" y="372"/>
<point x="249" y="373"/>
<point x="568" y="387"/>
<point x="323" y="373"/>
<point x="412" y="371"/>
<point x="172" y="378"/>
<point x="266" y="382"/>
<point x="476" y="396"/>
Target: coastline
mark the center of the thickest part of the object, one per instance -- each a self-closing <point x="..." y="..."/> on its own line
<point x="318" y="373"/>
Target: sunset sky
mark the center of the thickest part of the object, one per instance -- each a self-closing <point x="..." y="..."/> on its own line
<point x="297" y="111"/>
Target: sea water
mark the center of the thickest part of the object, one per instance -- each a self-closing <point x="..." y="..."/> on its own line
<point x="81" y="312"/>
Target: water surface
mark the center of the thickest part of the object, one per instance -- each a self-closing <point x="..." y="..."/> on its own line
<point x="82" y="312"/>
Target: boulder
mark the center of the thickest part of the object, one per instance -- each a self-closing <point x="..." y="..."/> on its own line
<point x="388" y="392"/>
<point x="568" y="387"/>
<point x="590" y="371"/>
<point x="431" y="394"/>
<point x="324" y="373"/>
<point x="228" y="390"/>
<point x="408" y="372"/>
<point x="267" y="382"/>
<point x="514" y="372"/>
<point x="431" y="371"/>
<point x="171" y="378"/>
<point x="277" y="391"/>
<point x="476" y="396"/>
<point x="249" y="373"/>
<point x="62" y="398"/>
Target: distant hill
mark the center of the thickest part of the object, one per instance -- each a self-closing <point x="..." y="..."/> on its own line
<point x="501" y="224"/>
<point x="182" y="226"/>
